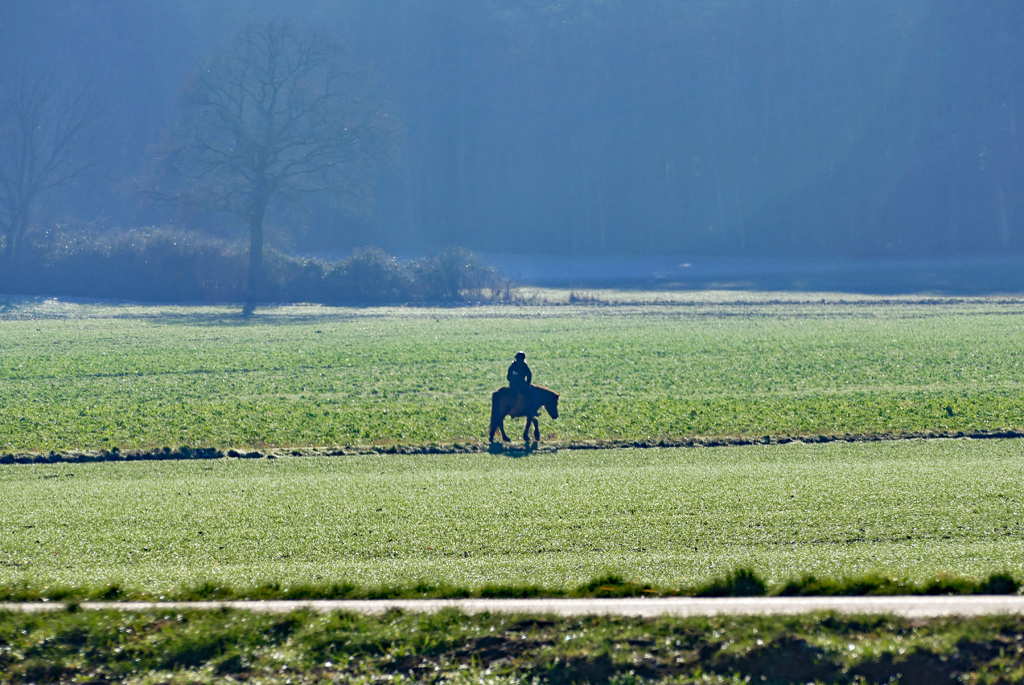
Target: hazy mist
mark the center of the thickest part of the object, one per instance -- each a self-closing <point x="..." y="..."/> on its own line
<point x="743" y="128"/>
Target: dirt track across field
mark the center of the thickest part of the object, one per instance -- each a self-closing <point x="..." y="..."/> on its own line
<point x="513" y="449"/>
<point x="905" y="606"/>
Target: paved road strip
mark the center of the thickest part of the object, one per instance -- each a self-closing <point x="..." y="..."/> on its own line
<point x="906" y="606"/>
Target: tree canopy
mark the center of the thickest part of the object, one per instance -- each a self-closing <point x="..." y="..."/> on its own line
<point x="274" y="113"/>
<point x="44" y="130"/>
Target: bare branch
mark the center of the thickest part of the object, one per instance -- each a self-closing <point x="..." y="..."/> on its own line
<point x="44" y="131"/>
<point x="271" y="115"/>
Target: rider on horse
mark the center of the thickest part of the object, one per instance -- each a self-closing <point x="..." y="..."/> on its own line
<point x="521" y="399"/>
<point x="519" y="379"/>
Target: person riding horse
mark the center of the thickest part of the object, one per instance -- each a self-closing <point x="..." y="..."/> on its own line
<point x="519" y="379"/>
<point x="521" y="399"/>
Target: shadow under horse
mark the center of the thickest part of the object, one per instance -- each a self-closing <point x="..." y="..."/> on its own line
<point x="507" y="402"/>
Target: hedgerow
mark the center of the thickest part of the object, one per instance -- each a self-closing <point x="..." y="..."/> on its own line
<point x="159" y="265"/>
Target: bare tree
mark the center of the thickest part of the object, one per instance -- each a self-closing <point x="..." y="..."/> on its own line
<point x="273" y="114"/>
<point x="44" y="133"/>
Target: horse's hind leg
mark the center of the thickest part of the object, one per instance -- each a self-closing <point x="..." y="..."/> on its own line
<point x="497" y="422"/>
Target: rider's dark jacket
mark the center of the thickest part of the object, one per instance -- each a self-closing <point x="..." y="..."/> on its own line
<point x="519" y="374"/>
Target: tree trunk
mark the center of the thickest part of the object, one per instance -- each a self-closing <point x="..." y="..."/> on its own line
<point x="9" y="243"/>
<point x="20" y="226"/>
<point x="255" y="286"/>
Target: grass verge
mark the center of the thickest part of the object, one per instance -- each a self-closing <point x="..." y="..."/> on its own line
<point x="449" y="647"/>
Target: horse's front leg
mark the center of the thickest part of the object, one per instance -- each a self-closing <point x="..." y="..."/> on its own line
<point x="526" y="430"/>
<point x="536" y="429"/>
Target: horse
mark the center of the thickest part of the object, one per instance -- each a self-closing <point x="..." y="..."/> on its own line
<point x="506" y="402"/>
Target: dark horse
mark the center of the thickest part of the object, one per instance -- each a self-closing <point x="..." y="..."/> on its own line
<point x="506" y="402"/>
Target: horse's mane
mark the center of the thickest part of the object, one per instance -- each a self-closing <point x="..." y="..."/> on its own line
<point x="543" y="389"/>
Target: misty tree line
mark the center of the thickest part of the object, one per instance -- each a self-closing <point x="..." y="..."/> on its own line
<point x="272" y="115"/>
<point x="841" y="128"/>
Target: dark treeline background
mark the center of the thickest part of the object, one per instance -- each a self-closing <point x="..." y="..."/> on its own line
<point x="720" y="127"/>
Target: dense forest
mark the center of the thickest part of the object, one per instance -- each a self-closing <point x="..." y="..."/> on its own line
<point x="601" y="127"/>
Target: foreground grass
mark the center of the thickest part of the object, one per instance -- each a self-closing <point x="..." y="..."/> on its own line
<point x="81" y="376"/>
<point x="450" y="647"/>
<point x="670" y="518"/>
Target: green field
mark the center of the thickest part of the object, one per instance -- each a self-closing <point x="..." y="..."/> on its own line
<point x="78" y="376"/>
<point x="912" y="509"/>
<point x="90" y="377"/>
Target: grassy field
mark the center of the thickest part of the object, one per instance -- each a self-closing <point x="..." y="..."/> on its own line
<point x="77" y="376"/>
<point x="205" y="647"/>
<point x="91" y="376"/>
<point x="913" y="509"/>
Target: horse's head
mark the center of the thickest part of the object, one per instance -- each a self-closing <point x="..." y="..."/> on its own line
<point x="551" y="404"/>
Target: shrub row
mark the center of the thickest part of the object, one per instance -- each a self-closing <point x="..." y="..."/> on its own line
<point x="154" y="265"/>
<point x="739" y="583"/>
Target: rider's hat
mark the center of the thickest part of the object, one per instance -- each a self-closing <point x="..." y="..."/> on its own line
<point x="520" y="355"/>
